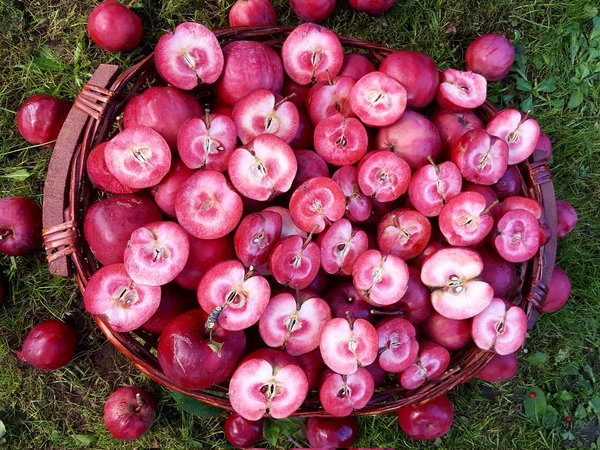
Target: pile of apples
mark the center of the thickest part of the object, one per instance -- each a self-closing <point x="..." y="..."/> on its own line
<point x="323" y="225"/>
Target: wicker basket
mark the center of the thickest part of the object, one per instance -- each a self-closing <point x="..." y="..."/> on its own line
<point x="68" y="194"/>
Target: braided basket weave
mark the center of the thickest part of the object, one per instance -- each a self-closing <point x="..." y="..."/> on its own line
<point x="68" y="193"/>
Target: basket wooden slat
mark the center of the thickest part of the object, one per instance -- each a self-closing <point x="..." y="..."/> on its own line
<point x="67" y="194"/>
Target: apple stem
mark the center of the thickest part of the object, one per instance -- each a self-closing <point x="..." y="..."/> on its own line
<point x="140" y="402"/>
<point x="249" y="273"/>
<point x="487" y="210"/>
<point x="207" y="117"/>
<point x="131" y="3"/>
<point x="212" y="319"/>
<point x="350" y="319"/>
<point x="328" y="77"/>
<point x="431" y="161"/>
<point x="386" y="313"/>
<point x="284" y="99"/>
<point x="5" y="232"/>
<point x="310" y="235"/>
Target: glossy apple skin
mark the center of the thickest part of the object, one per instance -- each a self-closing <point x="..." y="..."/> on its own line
<point x="165" y="192"/>
<point x="49" y="345"/>
<point x="324" y="432"/>
<point x="241" y="432"/>
<point x="186" y="357"/>
<point x="373" y="7"/>
<point x="114" y="27"/>
<point x="356" y="66"/>
<point x="490" y="55"/>
<point x="108" y="224"/>
<point x="315" y="11"/>
<point x="129" y="412"/>
<point x="41" y="117"/>
<point x="497" y="272"/>
<point x="99" y="174"/>
<point x="174" y="301"/>
<point x="344" y="298"/>
<point x="413" y="137"/>
<point x="248" y="66"/>
<point x="558" y="291"/>
<point x="417" y="72"/>
<point x="164" y="109"/>
<point x="509" y="184"/>
<point x="449" y="333"/>
<point x="500" y="368"/>
<point x="427" y="421"/>
<point x="20" y="226"/>
<point x="252" y="13"/>
<point x="566" y="218"/>
<point x="452" y="126"/>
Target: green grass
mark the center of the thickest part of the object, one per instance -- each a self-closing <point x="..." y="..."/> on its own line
<point x="44" y="48"/>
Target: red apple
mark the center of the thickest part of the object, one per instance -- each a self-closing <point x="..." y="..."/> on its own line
<point x="566" y="218"/>
<point x="114" y="27"/>
<point x="41" y="117"/>
<point x="252" y="13"/>
<point x="429" y="420"/>
<point x="490" y="55"/>
<point x="49" y="345"/>
<point x="20" y="226"/>
<point x="315" y="11"/>
<point x="129" y="413"/>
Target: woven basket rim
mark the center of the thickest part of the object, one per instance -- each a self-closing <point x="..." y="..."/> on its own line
<point x="103" y="104"/>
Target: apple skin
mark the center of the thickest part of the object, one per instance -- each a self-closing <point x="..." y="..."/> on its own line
<point x="252" y="13"/>
<point x="315" y="11"/>
<point x="558" y="291"/>
<point x="20" y="226"/>
<point x="129" y="413"/>
<point x="49" y="345"/>
<point x="324" y="432"/>
<point x="500" y="368"/>
<point x="114" y="27"/>
<point x="566" y="218"/>
<point x="241" y="432"/>
<point x="99" y="174"/>
<point x="427" y="421"/>
<point x="373" y="7"/>
<point x="417" y="72"/>
<point x="490" y="55"/>
<point x="41" y="117"/>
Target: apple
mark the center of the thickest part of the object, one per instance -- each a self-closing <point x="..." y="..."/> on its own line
<point x="510" y="183"/>
<point x="558" y="291"/>
<point x="255" y="237"/>
<point x="383" y="175"/>
<point x="374" y="7"/>
<point x="449" y="333"/>
<point x="566" y="218"/>
<point x="380" y="279"/>
<point x="207" y="142"/>
<point x="490" y="55"/>
<point x="233" y="297"/>
<point x="517" y="236"/>
<point x="206" y="206"/>
<point x="129" y="413"/>
<point x="193" y="356"/>
<point x="413" y="137"/>
<point x="252" y="13"/>
<point x="41" y="117"/>
<point x="188" y="56"/>
<point x="312" y="53"/>
<point x="465" y="220"/>
<point x="173" y="302"/>
<point x="138" y="157"/>
<point x="452" y="272"/>
<point x="330" y="97"/>
<point x="165" y="192"/>
<point x="452" y="125"/>
<point x="432" y="186"/>
<point x="398" y="347"/>
<point x="344" y="299"/>
<point x="324" y="432"/>
<point x="341" y="244"/>
<point x="121" y="303"/>
<point x="404" y="233"/>
<point x="378" y="99"/>
<point x="114" y="27"/>
<point x="418" y="74"/>
<point x="356" y="66"/>
<point x="241" y="432"/>
<point x="310" y="165"/>
<point x="315" y="11"/>
<point x="249" y="65"/>
<point x="498" y="273"/>
<point x="429" y="420"/>
<point x="20" y="226"/>
<point x="267" y="382"/>
<point x="317" y="203"/>
<point x="340" y="140"/>
<point x="481" y="158"/>
<point x="295" y="261"/>
<point x="340" y="395"/>
<point x="519" y="131"/>
<point x="500" y="327"/>
<point x="500" y="368"/>
<point x="49" y="345"/>
<point x="164" y="109"/>
<point x="461" y="91"/>
<point x="430" y="364"/>
<point x="358" y="205"/>
<point x="99" y="174"/>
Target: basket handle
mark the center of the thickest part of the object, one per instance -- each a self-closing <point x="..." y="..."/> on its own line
<point x="60" y="223"/>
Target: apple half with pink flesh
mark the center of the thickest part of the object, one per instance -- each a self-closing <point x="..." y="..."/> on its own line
<point x="138" y="157"/>
<point x="432" y="186"/>
<point x="288" y="227"/>
<point x="267" y="382"/>
<point x="404" y="233"/>
<point x="341" y="140"/>
<point x="264" y="168"/>
<point x="255" y="237"/>
<point x="383" y="175"/>
<point x="207" y="142"/>
<point x="295" y="261"/>
<point x="465" y="220"/>
<point x="156" y="253"/>
<point x="294" y="324"/>
<point x="378" y="99"/>
<point x="461" y="91"/>
<point x="121" y="303"/>
<point x="380" y="279"/>
<point x="340" y="395"/>
<point x="206" y="206"/>
<point x="500" y="327"/>
<point x="341" y="244"/>
<point x="328" y="98"/>
<point x="232" y="296"/>
<point x="347" y="344"/>
<point x="517" y="236"/>
<point x="398" y="346"/>
<point x="358" y="205"/>
<point x="189" y="56"/>
<point x="99" y="174"/>
<point x="317" y="203"/>
<point x="452" y="272"/>
<point x="519" y="131"/>
<point x="481" y="158"/>
<point x="262" y="112"/>
<point x="312" y="53"/>
<point x="430" y="364"/>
